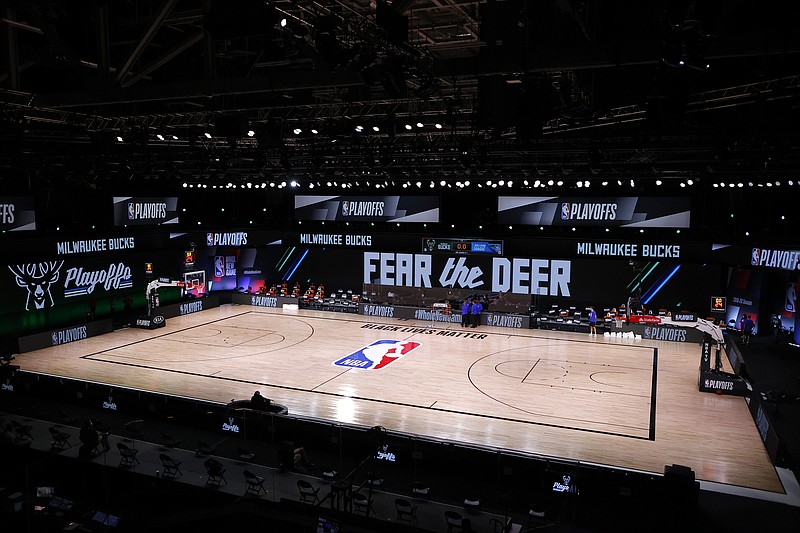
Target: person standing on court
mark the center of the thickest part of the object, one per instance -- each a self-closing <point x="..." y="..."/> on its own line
<point x="747" y="329"/>
<point x="476" y="312"/>
<point x="465" y="318"/>
<point x="592" y="321"/>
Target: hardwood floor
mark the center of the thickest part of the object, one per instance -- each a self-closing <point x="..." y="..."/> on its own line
<point x="621" y="402"/>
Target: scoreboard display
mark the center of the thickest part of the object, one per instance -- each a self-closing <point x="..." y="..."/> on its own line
<point x="462" y="246"/>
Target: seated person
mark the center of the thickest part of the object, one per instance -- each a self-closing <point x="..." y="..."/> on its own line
<point x="89" y="438"/>
<point x="259" y="402"/>
<point x="301" y="462"/>
<point x="13" y="438"/>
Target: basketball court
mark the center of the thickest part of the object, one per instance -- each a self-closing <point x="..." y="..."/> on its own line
<point x="621" y="402"/>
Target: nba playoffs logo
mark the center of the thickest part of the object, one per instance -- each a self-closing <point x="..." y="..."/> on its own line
<point x="131" y="211"/>
<point x="345" y="207"/>
<point x="565" y="211"/>
<point x="378" y="354"/>
<point x="210" y="239"/>
<point x="756" y="257"/>
<point x="647" y="332"/>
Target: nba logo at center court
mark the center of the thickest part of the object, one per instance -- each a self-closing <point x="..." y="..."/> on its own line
<point x="378" y="354"/>
<point x="565" y="211"/>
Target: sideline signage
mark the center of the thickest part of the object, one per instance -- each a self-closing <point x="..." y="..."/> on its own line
<point x="65" y="335"/>
<point x="259" y="300"/>
<point x="629" y="211"/>
<point x="17" y="213"/>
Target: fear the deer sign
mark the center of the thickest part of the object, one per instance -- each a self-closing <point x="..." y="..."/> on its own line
<point x="37" y="278"/>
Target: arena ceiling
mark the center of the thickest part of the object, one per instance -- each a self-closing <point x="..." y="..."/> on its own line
<point x="562" y="90"/>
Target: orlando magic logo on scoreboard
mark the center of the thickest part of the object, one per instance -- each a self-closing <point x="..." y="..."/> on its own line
<point x="378" y="354"/>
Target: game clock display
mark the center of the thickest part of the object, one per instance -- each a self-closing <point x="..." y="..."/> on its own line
<point x="462" y="246"/>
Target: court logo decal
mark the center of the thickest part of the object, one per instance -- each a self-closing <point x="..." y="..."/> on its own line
<point x="378" y="354"/>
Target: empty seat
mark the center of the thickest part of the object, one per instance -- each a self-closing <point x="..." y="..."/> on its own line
<point x="127" y="455"/>
<point x="254" y="484"/>
<point x="216" y="473"/>
<point x="308" y="493"/>
<point x="172" y="467"/>
<point x="60" y="438"/>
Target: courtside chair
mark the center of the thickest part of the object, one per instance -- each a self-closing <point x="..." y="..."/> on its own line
<point x="172" y="467"/>
<point x="60" y="438"/>
<point x="253" y="484"/>
<point x="362" y="504"/>
<point x="405" y="511"/>
<point x="308" y="493"/>
<point x="127" y="455"/>
<point x="216" y="473"/>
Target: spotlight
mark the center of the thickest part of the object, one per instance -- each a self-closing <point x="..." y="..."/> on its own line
<point x="283" y="23"/>
<point x="293" y="183"/>
<point x="408" y="126"/>
<point x="375" y="128"/>
<point x="174" y="137"/>
<point x="314" y="131"/>
<point x="208" y="135"/>
<point x="605" y="183"/>
<point x="119" y="139"/>
<point x="160" y="137"/>
<point x="689" y="182"/>
<point x="580" y="184"/>
<point x="560" y="183"/>
<point x="359" y="128"/>
<point x="658" y="182"/>
<point x="550" y="183"/>
<point x="586" y="183"/>
<point x="683" y="184"/>
<point x="442" y="183"/>
<point x="298" y="131"/>
<point x="419" y="124"/>
<point x="438" y="126"/>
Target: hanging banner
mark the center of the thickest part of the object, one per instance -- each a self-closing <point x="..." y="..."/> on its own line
<point x="140" y="211"/>
<point x="631" y="211"/>
<point x="367" y="208"/>
<point x="17" y="213"/>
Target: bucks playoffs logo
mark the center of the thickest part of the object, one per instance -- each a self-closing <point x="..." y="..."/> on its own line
<point x="131" y="211"/>
<point x="378" y="354"/>
<point x="756" y="256"/>
<point x="565" y="211"/>
<point x="345" y="207"/>
<point x="37" y="278"/>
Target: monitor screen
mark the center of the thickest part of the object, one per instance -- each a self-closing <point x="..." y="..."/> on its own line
<point x="326" y="525"/>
